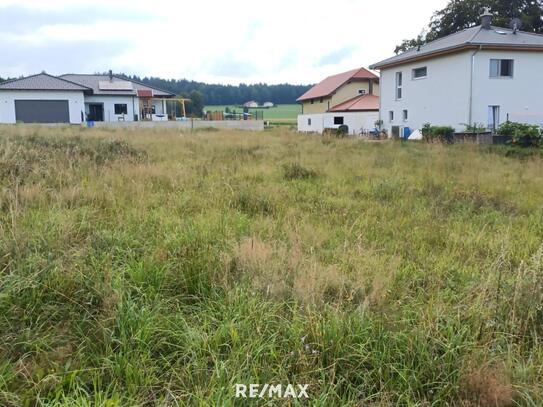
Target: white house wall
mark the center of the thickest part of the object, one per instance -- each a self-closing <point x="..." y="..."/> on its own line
<point x="440" y="99"/>
<point x="8" y="97"/>
<point x="356" y="121"/>
<point x="109" y="103"/>
<point x="520" y="98"/>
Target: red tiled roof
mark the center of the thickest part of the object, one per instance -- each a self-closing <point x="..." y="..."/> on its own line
<point x="332" y="83"/>
<point x="362" y="103"/>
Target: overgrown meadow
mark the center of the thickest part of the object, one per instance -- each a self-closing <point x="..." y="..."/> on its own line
<point x="143" y="268"/>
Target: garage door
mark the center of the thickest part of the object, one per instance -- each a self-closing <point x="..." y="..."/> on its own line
<point x="42" y="111"/>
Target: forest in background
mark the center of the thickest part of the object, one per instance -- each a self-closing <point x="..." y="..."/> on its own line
<point x="217" y="94"/>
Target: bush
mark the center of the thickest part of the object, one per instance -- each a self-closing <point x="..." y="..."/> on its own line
<point x="525" y="135"/>
<point x="342" y="131"/>
<point x="296" y="171"/>
<point x="476" y="128"/>
<point x="443" y="134"/>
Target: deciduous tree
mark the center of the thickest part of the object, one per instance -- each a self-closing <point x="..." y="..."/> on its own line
<point x="461" y="14"/>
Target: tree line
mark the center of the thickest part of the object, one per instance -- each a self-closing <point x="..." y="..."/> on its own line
<point x="462" y="14"/>
<point x="216" y="94"/>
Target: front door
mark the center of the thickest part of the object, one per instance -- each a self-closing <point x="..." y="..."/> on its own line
<point x="493" y="118"/>
<point x="96" y="112"/>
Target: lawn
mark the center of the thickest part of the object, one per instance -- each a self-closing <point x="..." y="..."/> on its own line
<point x="147" y="267"/>
<point x="279" y="113"/>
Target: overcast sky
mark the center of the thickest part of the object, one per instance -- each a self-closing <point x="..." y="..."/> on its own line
<point x="229" y="41"/>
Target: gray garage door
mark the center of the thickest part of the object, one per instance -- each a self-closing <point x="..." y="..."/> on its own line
<point x="42" y="111"/>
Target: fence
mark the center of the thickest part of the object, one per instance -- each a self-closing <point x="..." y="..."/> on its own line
<point x="235" y="115"/>
<point x="480" y="138"/>
<point x="251" y="125"/>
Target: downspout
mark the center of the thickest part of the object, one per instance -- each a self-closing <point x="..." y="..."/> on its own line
<point x="381" y="120"/>
<point x="470" y="118"/>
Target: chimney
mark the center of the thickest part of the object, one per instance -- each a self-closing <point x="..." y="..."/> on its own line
<point x="110" y="75"/>
<point x="486" y="19"/>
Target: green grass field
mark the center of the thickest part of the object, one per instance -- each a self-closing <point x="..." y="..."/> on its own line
<point x="160" y="268"/>
<point x="286" y="113"/>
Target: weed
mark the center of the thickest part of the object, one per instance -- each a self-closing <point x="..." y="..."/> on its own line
<point x="295" y="171"/>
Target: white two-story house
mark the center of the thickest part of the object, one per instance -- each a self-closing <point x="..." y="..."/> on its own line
<point x="483" y="75"/>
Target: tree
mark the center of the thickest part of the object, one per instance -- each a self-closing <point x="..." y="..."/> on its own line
<point x="197" y="103"/>
<point x="461" y="14"/>
<point x="409" y="44"/>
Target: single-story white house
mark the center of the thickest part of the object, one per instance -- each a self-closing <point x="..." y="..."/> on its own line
<point x="75" y="99"/>
<point x="484" y="75"/>
<point x="268" y="104"/>
<point x="350" y="99"/>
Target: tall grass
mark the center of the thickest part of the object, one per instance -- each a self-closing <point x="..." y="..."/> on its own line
<point x="161" y="268"/>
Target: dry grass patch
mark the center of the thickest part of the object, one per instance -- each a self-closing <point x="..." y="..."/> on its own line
<point x="487" y="386"/>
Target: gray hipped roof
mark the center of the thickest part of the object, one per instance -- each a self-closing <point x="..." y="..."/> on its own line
<point x="471" y="37"/>
<point x="41" y="81"/>
<point x="93" y="82"/>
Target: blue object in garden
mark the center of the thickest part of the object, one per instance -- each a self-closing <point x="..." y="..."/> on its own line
<point x="90" y="123"/>
<point x="406" y="132"/>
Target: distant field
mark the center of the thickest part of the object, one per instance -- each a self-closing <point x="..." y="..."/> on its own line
<point x="279" y="112"/>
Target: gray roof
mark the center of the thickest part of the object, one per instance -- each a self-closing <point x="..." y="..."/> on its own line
<point x="470" y="37"/>
<point x="93" y="82"/>
<point x="41" y="81"/>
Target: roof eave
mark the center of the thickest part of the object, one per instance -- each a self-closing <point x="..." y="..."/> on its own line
<point x="353" y="110"/>
<point x="449" y="50"/>
<point x="446" y="51"/>
<point x="46" y="90"/>
<point x="304" y="99"/>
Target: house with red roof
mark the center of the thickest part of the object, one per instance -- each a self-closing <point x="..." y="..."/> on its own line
<point x="350" y="98"/>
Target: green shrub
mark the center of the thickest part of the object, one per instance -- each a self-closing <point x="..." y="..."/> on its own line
<point x="442" y="134"/>
<point x="523" y="134"/>
<point x="342" y="131"/>
<point x="253" y="204"/>
<point x="296" y="171"/>
<point x="475" y="128"/>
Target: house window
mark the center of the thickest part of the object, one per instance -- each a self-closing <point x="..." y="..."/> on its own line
<point x="322" y="100"/>
<point x="501" y="68"/>
<point x="361" y="91"/>
<point x="420" y="73"/>
<point x="391" y="116"/>
<point x="121" y="108"/>
<point x="399" y="85"/>
<point x="405" y="115"/>
<point x="493" y="118"/>
<point x="338" y="120"/>
<point x="309" y="122"/>
<point x="312" y="101"/>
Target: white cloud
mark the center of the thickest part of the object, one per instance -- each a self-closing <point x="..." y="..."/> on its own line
<point x="216" y="41"/>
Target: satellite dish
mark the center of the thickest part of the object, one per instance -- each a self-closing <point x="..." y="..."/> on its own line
<point x="515" y="24"/>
